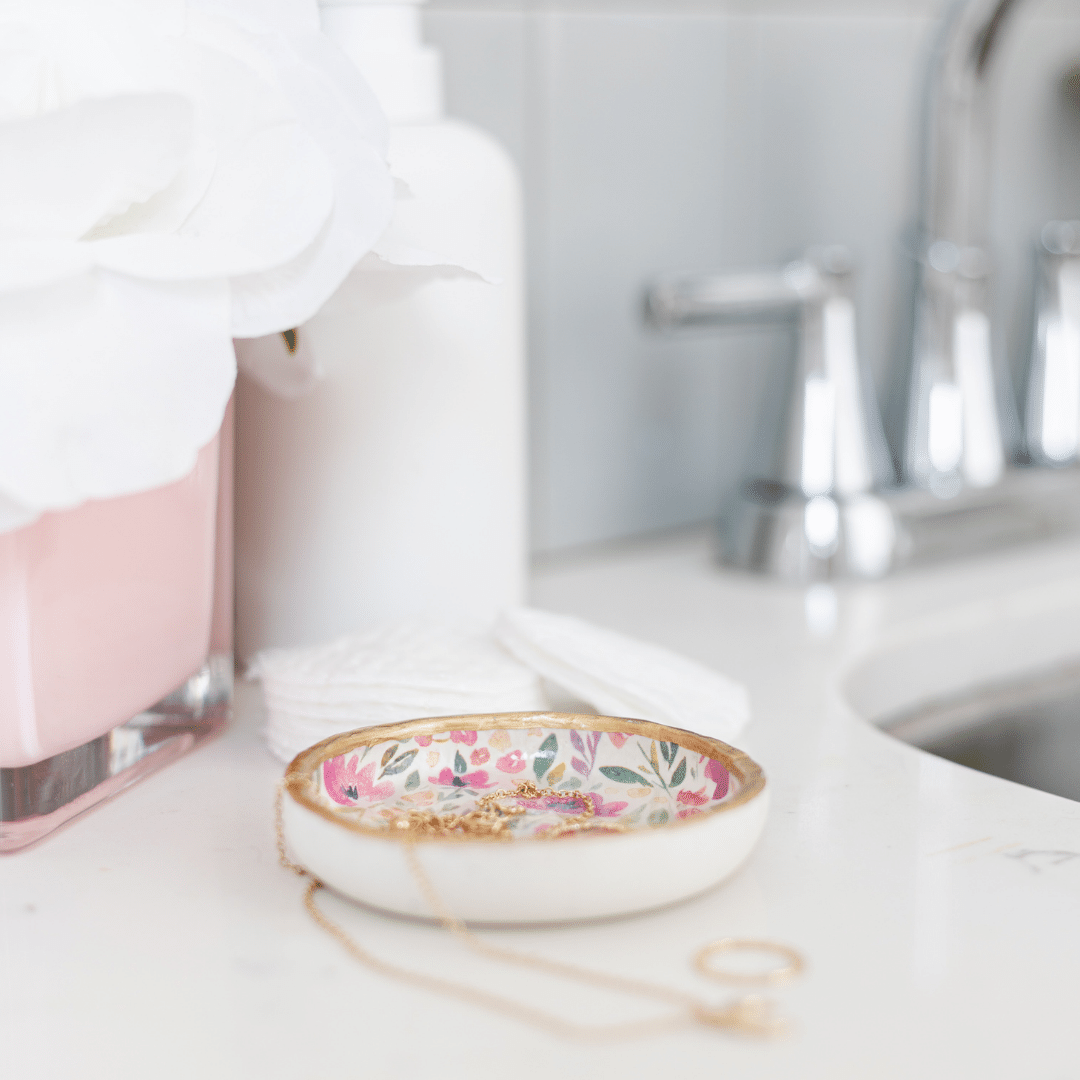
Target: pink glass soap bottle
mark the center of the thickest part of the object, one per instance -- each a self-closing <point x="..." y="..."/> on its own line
<point x="115" y="643"/>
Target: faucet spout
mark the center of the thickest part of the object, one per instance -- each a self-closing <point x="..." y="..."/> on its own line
<point x="957" y="135"/>
<point x="958" y="407"/>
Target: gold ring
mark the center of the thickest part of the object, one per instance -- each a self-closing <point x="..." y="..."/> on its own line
<point x="793" y="966"/>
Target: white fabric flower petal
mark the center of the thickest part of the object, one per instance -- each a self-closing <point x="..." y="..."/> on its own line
<point x="271" y="195"/>
<point x="168" y="257"/>
<point x="55" y="53"/>
<point x="321" y="59"/>
<point x="261" y="210"/>
<point x="169" y="208"/>
<point x="363" y="199"/>
<point x="110" y="385"/>
<point x="25" y="264"/>
<point x="389" y="253"/>
<point x="66" y="171"/>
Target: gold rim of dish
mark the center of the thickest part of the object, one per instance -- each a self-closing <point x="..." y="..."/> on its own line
<point x="300" y="782"/>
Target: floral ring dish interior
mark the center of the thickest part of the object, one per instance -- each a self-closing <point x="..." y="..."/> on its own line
<point x="616" y="816"/>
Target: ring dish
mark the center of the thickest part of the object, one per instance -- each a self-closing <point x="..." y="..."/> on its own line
<point x="673" y="813"/>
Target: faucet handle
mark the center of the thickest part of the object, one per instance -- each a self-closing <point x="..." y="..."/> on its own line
<point x="748" y="297"/>
<point x="807" y="509"/>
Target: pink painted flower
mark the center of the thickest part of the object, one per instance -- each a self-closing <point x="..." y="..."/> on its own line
<point x="693" y="798"/>
<point x="345" y="785"/>
<point x="448" y="778"/>
<point x="617" y="739"/>
<point x="480" y="755"/>
<point x="715" y="771"/>
<point x="610" y="810"/>
<point x="688" y="813"/>
<point x="423" y="740"/>
<point x="512" y="762"/>
<point x="466" y="737"/>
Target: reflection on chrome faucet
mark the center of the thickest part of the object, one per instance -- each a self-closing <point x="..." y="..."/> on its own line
<point x="1052" y="420"/>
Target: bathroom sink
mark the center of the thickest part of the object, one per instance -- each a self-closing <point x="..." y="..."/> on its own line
<point x="1026" y="730"/>
<point x="993" y="685"/>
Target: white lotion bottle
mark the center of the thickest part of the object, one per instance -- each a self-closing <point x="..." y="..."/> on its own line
<point x="392" y="485"/>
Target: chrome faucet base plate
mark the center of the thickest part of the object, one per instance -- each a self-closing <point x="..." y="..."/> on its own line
<point x="770" y="530"/>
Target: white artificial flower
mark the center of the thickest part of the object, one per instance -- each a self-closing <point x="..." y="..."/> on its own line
<point x="172" y="175"/>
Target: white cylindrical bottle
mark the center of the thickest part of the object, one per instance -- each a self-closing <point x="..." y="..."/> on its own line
<point x="394" y="487"/>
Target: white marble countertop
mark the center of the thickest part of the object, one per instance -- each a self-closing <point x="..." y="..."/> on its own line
<point x="938" y="908"/>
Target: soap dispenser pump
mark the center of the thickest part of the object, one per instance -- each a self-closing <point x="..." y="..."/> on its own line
<point x="394" y="488"/>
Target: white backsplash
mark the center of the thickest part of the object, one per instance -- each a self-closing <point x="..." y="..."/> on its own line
<point x="685" y="136"/>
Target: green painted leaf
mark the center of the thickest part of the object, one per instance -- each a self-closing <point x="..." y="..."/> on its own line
<point x="623" y="776"/>
<point x="570" y="785"/>
<point x="459" y="762"/>
<point x="679" y="775"/>
<point x="412" y="781"/>
<point x="543" y="757"/>
<point x="401" y="763"/>
<point x="390" y="751"/>
<point x="658" y="817"/>
<point x="669" y="750"/>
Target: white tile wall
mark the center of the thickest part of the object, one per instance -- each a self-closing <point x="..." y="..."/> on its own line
<point x="681" y="135"/>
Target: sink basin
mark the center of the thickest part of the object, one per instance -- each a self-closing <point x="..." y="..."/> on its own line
<point x="1026" y="730"/>
<point x="994" y="686"/>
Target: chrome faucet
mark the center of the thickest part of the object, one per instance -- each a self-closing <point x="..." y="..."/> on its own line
<point x="958" y="408"/>
<point x="800" y="519"/>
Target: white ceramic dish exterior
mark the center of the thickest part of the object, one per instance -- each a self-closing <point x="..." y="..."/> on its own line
<point x="688" y="808"/>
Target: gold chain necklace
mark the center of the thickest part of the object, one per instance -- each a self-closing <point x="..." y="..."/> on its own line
<point x="748" y="1015"/>
<point x="490" y="818"/>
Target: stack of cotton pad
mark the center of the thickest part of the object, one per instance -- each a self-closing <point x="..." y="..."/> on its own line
<point x="414" y="670"/>
<point x="619" y="676"/>
<point x="396" y="673"/>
